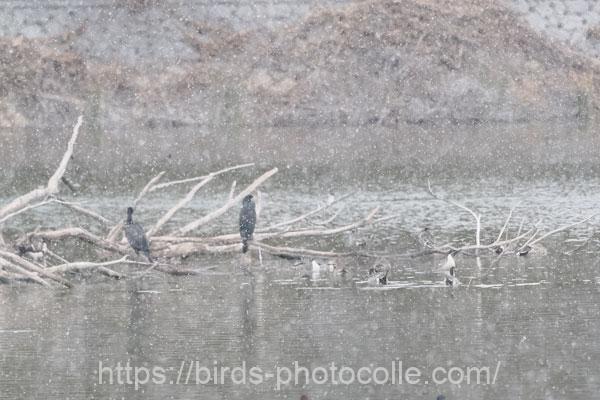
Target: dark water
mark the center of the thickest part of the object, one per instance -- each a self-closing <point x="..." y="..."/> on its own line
<point x="533" y="321"/>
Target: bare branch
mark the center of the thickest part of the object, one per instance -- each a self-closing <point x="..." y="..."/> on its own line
<point x="15" y="259"/>
<point x="183" y="202"/>
<point x="259" y="204"/>
<point x="447" y="247"/>
<point x="24" y="209"/>
<point x="330" y="219"/>
<point x="52" y="186"/>
<point x="81" y="234"/>
<point x="148" y="188"/>
<point x="84" y="265"/>
<point x="197" y="178"/>
<point x="465" y="208"/>
<point x="562" y="228"/>
<point x="84" y="211"/>
<point x="34" y="277"/>
<point x="116" y="230"/>
<point x="223" y="209"/>
<point x="304" y="216"/>
<point x="505" y="224"/>
<point x="234" y="237"/>
<point x="294" y="251"/>
<point x="62" y="167"/>
<point x="232" y="191"/>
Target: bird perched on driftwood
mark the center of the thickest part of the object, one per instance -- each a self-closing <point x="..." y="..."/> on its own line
<point x="247" y="221"/>
<point x="136" y="236"/>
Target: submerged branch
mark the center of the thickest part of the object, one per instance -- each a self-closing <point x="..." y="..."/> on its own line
<point x="84" y="265"/>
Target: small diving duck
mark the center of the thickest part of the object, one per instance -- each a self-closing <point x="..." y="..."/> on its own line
<point x="335" y="268"/>
<point x="451" y="279"/>
<point x="378" y="275"/>
<point x="426" y="238"/>
<point x="36" y="251"/>
<point x="523" y="251"/>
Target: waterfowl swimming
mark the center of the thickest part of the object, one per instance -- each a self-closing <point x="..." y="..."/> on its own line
<point x="334" y="268"/>
<point x="330" y="199"/>
<point x="426" y="238"/>
<point x="136" y="236"/>
<point x="247" y="221"/>
<point x="378" y="275"/>
<point x="524" y="250"/>
<point x="35" y="251"/>
<point x="353" y="239"/>
<point x="451" y="279"/>
<point x="449" y="269"/>
<point x="449" y="264"/>
<point x="316" y="270"/>
<point x="331" y="265"/>
<point x="316" y="267"/>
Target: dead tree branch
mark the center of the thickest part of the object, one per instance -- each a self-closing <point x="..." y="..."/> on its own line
<point x="476" y="216"/>
<point x="223" y="209"/>
<point x="52" y="186"/>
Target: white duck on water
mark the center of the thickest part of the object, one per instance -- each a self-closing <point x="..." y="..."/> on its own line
<point x="316" y="267"/>
<point x="449" y="269"/>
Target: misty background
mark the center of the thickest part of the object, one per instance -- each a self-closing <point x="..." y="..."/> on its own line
<point x="339" y="89"/>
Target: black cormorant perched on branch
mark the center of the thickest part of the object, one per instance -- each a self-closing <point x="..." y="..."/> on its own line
<point x="247" y="221"/>
<point x="136" y="236"/>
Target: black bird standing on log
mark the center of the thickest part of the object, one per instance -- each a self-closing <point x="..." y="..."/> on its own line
<point x="247" y="221"/>
<point x="136" y="236"/>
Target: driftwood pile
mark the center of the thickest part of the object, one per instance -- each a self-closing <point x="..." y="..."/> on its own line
<point x="29" y="257"/>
